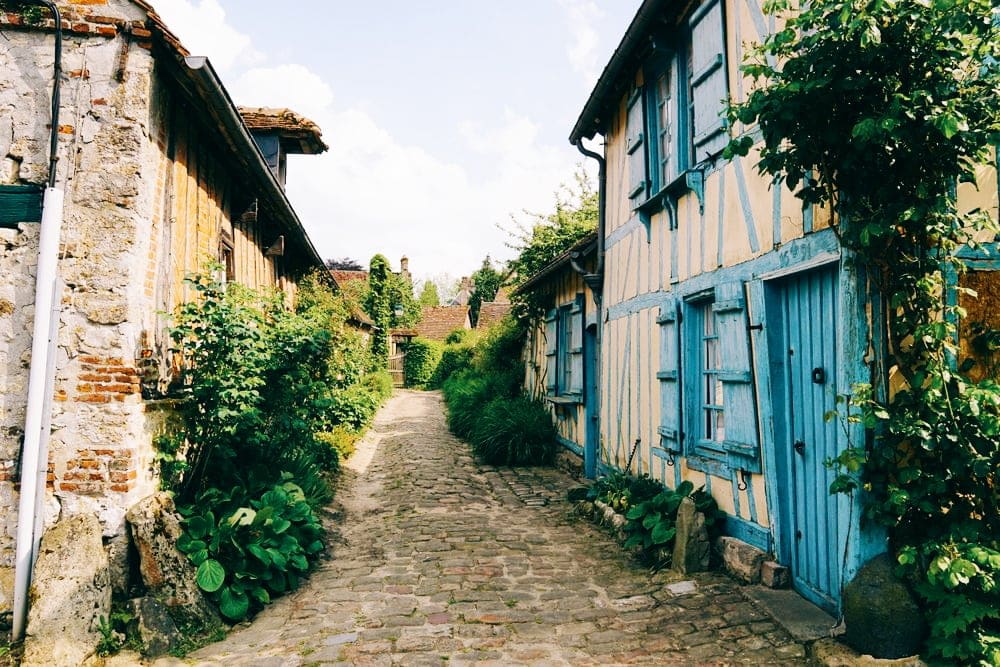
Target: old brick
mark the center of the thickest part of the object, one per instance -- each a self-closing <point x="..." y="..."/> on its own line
<point x="121" y="488"/>
<point x="96" y="377"/>
<point x="94" y="398"/>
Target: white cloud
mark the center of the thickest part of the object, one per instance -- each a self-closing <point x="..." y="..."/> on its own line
<point x="202" y="28"/>
<point x="584" y="17"/>
<point x="375" y="192"/>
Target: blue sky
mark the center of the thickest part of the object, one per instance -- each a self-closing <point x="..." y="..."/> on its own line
<point x="444" y="117"/>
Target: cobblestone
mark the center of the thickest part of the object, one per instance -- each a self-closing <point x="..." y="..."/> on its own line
<point x="439" y="560"/>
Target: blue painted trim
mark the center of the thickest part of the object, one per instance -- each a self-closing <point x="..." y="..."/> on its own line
<point x="722" y="219"/>
<point x="757" y="15"/>
<point x="776" y="212"/>
<point x="751" y="533"/>
<point x="737" y="503"/>
<point x="632" y="224"/>
<point x="794" y="252"/>
<point x="636" y="305"/>
<point x="752" y="502"/>
<point x="708" y="466"/>
<point x="741" y="182"/>
<point x="570" y="445"/>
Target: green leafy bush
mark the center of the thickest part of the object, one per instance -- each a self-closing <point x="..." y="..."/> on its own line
<point x="454" y="357"/>
<point x="652" y="523"/>
<point x="341" y="440"/>
<point x="380" y="384"/>
<point x="245" y="552"/>
<point x="354" y="407"/>
<point x="465" y="393"/>
<point x="461" y="337"/>
<point x="621" y="491"/>
<point x="514" y="431"/>
<point x="422" y="358"/>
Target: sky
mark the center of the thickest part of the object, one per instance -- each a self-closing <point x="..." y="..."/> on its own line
<point x="444" y="118"/>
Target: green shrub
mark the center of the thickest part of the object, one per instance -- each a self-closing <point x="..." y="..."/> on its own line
<point x="461" y="337"/>
<point x="454" y="357"/>
<point x="245" y="552"/>
<point x="501" y="348"/>
<point x="341" y="441"/>
<point x="621" y="491"/>
<point x="380" y="384"/>
<point x="354" y="407"/>
<point x="652" y="523"/>
<point x="514" y="431"/>
<point x="422" y="358"/>
<point x="465" y="393"/>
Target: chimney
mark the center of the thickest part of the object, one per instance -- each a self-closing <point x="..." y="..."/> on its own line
<point x="404" y="269"/>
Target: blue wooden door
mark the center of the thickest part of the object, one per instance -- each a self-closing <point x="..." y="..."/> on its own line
<point x="591" y="402"/>
<point x="814" y="523"/>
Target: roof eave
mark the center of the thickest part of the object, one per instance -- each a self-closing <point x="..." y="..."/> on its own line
<point x="584" y="247"/>
<point x="199" y="73"/>
<point x="593" y="117"/>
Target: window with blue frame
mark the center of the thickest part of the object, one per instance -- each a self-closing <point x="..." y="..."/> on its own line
<point x="676" y="119"/>
<point x="564" y="350"/>
<point x="708" y="427"/>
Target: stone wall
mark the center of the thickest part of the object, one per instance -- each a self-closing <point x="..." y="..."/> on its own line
<point x="100" y="455"/>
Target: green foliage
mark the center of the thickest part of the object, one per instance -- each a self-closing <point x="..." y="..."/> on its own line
<point x="514" y="431"/>
<point x="461" y="336"/>
<point x="910" y="109"/>
<point x="113" y="636"/>
<point x="652" y="523"/>
<point x="549" y="235"/>
<point x="429" y="294"/>
<point x="454" y="357"/>
<point x="355" y="406"/>
<point x="341" y="440"/>
<point x="958" y="582"/>
<point x="486" y="281"/>
<point x="250" y="546"/>
<point x="621" y="491"/>
<point x="29" y="11"/>
<point x="379" y="307"/>
<point x="422" y="358"/>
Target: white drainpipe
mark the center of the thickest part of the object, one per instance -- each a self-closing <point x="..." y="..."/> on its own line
<point x="34" y="455"/>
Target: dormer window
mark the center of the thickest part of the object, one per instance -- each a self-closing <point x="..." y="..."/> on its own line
<point x="281" y="132"/>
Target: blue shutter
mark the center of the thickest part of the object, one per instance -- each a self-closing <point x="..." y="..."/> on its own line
<point x="576" y="346"/>
<point x="707" y="80"/>
<point x="669" y="377"/>
<point x="635" y="147"/>
<point x="741" y="441"/>
<point x="551" y="347"/>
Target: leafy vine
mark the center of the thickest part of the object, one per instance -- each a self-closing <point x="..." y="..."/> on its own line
<point x="879" y="109"/>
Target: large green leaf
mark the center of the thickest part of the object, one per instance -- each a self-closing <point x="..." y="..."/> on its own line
<point x="234" y="604"/>
<point x="663" y="533"/>
<point x="210" y="575"/>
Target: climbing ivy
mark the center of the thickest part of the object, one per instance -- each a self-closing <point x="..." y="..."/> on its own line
<point x="380" y="309"/>
<point x="878" y="109"/>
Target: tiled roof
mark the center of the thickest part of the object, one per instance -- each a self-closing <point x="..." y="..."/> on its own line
<point x="492" y="312"/>
<point x="304" y="135"/>
<point x="342" y="277"/>
<point x="439" y="321"/>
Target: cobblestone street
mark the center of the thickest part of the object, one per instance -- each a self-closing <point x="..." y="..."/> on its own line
<point x="437" y="560"/>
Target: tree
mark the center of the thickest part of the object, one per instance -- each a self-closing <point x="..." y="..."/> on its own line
<point x="878" y="109"/>
<point x="486" y="282"/>
<point x="550" y="235"/>
<point x="344" y="264"/>
<point x="406" y="311"/>
<point x="429" y="294"/>
<point x="380" y="309"/>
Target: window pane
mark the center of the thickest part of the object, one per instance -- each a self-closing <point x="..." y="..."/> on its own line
<point x="665" y="129"/>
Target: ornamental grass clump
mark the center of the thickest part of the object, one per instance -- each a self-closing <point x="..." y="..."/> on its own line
<point x="514" y="431"/>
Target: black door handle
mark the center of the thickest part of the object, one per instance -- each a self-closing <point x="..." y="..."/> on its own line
<point x="800" y="447"/>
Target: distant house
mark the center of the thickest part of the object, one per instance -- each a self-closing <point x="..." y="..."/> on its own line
<point x="491" y="312"/>
<point x="729" y="318"/>
<point x="562" y="349"/>
<point x="437" y="322"/>
<point x="161" y="174"/>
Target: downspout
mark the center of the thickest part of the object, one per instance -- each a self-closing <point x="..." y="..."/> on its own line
<point x="595" y="281"/>
<point x="41" y="373"/>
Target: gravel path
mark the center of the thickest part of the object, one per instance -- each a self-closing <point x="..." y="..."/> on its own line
<point x="437" y="560"/>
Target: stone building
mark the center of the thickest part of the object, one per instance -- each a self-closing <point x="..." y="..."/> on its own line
<point x="161" y="175"/>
